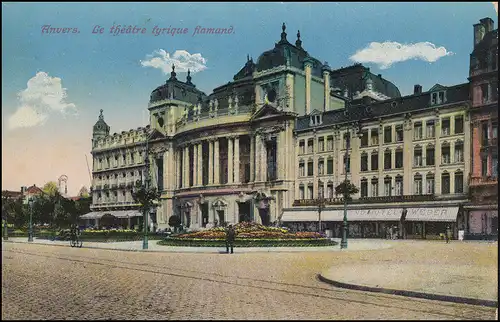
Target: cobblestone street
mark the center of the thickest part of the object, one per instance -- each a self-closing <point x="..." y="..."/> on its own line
<point x="47" y="282"/>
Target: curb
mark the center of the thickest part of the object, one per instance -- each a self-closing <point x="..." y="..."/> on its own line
<point x="158" y="250"/>
<point x="427" y="296"/>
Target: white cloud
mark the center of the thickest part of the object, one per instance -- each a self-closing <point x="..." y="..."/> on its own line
<point x="387" y="53"/>
<point x="43" y="96"/>
<point x="180" y="58"/>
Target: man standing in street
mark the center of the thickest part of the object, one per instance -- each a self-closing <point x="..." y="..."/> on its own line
<point x="230" y="236"/>
<point x="447" y="234"/>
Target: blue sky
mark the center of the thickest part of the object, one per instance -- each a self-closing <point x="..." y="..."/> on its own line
<point x="105" y="71"/>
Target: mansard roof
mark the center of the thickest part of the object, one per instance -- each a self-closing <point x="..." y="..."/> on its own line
<point x="402" y="105"/>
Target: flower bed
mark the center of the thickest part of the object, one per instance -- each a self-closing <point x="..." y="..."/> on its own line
<point x="249" y="234"/>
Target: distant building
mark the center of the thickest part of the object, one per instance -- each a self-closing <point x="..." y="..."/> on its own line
<point x="482" y="221"/>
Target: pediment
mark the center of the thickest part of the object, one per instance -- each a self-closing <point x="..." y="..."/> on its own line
<point x="437" y="87"/>
<point x="315" y="112"/>
<point x="266" y="111"/>
<point x="155" y="134"/>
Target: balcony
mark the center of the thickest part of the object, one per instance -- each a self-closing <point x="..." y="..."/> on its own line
<point x="385" y="199"/>
<point x="483" y="181"/>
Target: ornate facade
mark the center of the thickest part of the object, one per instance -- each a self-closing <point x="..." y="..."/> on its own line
<point x="271" y="143"/>
<point x="483" y="210"/>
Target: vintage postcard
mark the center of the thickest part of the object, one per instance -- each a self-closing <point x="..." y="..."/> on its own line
<point x="275" y="161"/>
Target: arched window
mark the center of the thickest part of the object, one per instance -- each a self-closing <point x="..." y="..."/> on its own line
<point x="417" y="184"/>
<point x="364" y="188"/>
<point x="429" y="183"/>
<point x="459" y="181"/>
<point x="445" y="183"/>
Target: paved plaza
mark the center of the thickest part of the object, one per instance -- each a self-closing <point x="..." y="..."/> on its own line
<point x="45" y="282"/>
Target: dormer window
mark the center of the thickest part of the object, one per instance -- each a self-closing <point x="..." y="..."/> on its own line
<point x="438" y="98"/>
<point x="316" y="120"/>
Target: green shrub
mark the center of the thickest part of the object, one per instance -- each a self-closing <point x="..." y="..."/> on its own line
<point x="248" y="242"/>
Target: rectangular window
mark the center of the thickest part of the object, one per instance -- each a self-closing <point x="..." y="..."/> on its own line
<point x="387" y="160"/>
<point x="364" y="162"/>
<point x="494" y="166"/>
<point x="387" y="187"/>
<point x="430" y="130"/>
<point x="417" y="131"/>
<point x="330" y="190"/>
<point x="310" y="146"/>
<point x="417" y="186"/>
<point x="494" y="130"/>
<point x="441" y="98"/>
<point x="346" y="141"/>
<point x="374" y="137"/>
<point x="484" y="165"/>
<point x="445" y="126"/>
<point x="417" y="158"/>
<point x="374" y="162"/>
<point x="321" y="144"/>
<point x="364" y="138"/>
<point x="329" y="143"/>
<point x="399" y="159"/>
<point x="459" y="153"/>
<point x="388" y="134"/>
<point x="310" y="168"/>
<point x="399" y="186"/>
<point x="430" y="185"/>
<point x="484" y="134"/>
<point x="329" y="166"/>
<point x="445" y="153"/>
<point x="364" y="188"/>
<point x="132" y="158"/>
<point x="459" y="124"/>
<point x="301" y="193"/>
<point x="321" y="166"/>
<point x="434" y="99"/>
<point x="429" y="157"/>
<point x="374" y="187"/>
<point x="445" y="183"/>
<point x="321" y="193"/>
<point x="484" y="93"/>
<point x="399" y="133"/>
<point x="302" y="147"/>
<point x="459" y="182"/>
<point x="302" y="169"/>
<point x="310" y="192"/>
<point x="159" y="173"/>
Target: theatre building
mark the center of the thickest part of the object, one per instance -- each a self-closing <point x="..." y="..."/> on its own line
<point x="269" y="144"/>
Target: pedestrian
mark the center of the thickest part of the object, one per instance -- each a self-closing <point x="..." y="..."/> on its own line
<point x="447" y="234"/>
<point x="230" y="236"/>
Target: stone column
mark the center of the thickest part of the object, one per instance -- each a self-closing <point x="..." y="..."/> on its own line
<point x="195" y="165"/>
<point x="178" y="169"/>
<point x="216" y="162"/>
<point x="280" y="146"/>
<point x="237" y="160"/>
<point x="211" y="162"/>
<point x="252" y="158"/>
<point x="230" y="161"/>
<point x="200" y="163"/>
<point x="186" y="167"/>
<point x="263" y="171"/>
<point x="258" y="157"/>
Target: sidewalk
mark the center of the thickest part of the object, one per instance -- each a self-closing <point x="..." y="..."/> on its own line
<point x="354" y="245"/>
<point x="459" y="283"/>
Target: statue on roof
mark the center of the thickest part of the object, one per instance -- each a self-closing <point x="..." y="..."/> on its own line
<point x="298" y="43"/>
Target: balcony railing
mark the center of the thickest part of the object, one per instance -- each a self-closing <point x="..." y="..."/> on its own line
<point x="486" y="181"/>
<point x="385" y="199"/>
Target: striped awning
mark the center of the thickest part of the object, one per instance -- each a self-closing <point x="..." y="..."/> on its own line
<point x="442" y="214"/>
<point x="114" y="213"/>
<point x="389" y="214"/>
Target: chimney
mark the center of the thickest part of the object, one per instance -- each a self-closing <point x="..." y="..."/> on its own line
<point x="477" y="34"/>
<point x="379" y="75"/>
<point x="417" y="89"/>
<point x="487" y="23"/>
<point x="23" y="190"/>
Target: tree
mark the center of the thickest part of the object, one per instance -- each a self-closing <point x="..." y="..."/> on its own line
<point x="146" y="197"/>
<point x="50" y="188"/>
<point x="174" y="221"/>
<point x="84" y="192"/>
<point x="346" y="189"/>
<point x="13" y="210"/>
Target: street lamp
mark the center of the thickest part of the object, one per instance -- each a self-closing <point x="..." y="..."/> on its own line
<point x="355" y="127"/>
<point x="146" y="206"/>
<point x="30" y="231"/>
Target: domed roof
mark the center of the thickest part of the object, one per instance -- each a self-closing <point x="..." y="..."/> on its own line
<point x="100" y="125"/>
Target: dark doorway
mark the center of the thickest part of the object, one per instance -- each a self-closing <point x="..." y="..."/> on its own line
<point x="220" y="215"/>
<point x="187" y="215"/>
<point x="244" y="211"/>
<point x="264" y="216"/>
<point x="204" y="214"/>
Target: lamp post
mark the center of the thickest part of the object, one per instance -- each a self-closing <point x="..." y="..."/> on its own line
<point x="356" y="129"/>
<point x="321" y="206"/>
<point x="30" y="230"/>
<point x="145" y="185"/>
<point x="5" y="227"/>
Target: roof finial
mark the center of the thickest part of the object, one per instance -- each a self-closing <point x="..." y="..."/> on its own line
<point x="283" y="34"/>
<point x="173" y="73"/>
<point x="101" y="117"/>
<point x="188" y="78"/>
<point x="248" y="57"/>
<point x="298" y="43"/>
